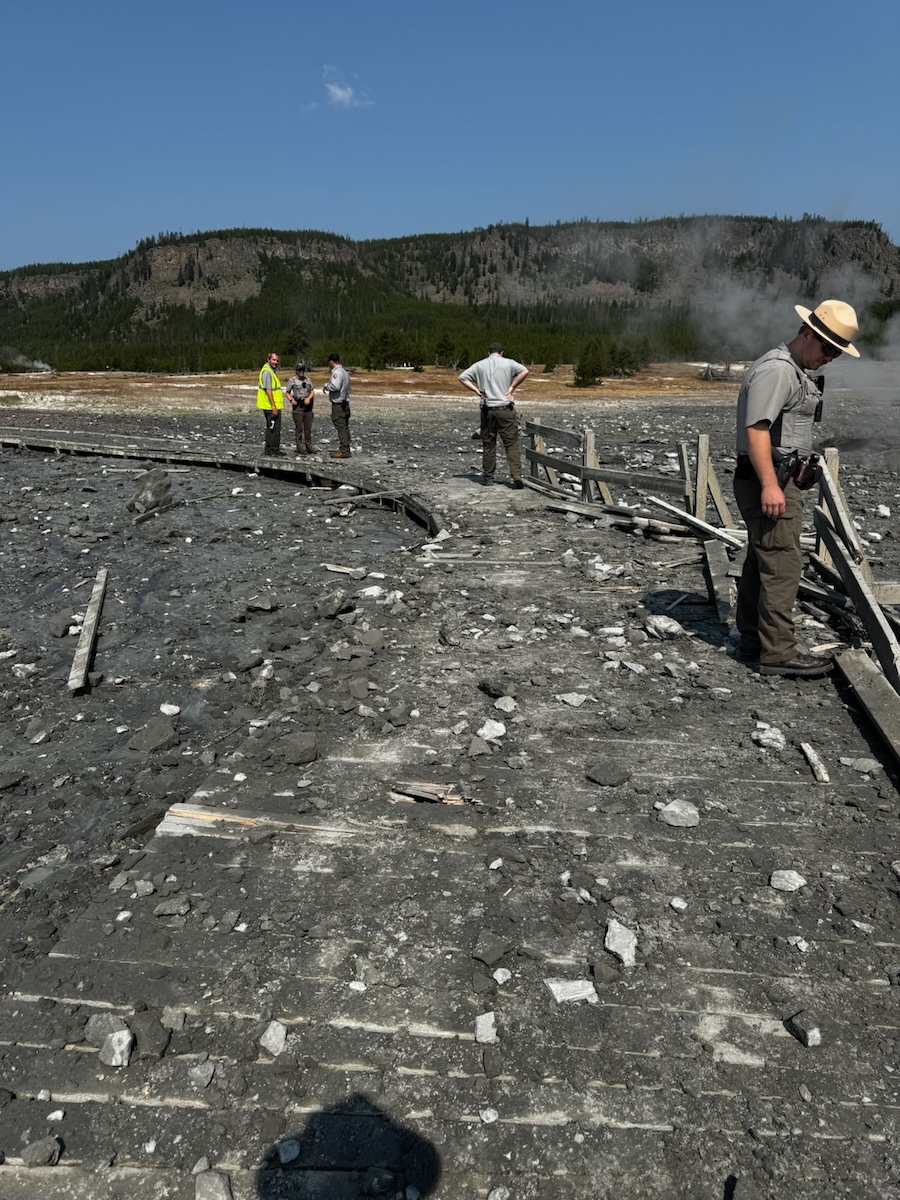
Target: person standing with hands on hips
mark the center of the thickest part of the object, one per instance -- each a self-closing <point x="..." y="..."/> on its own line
<point x="270" y="398"/>
<point x="493" y="380"/>
<point x="337" y="389"/>
<point x="779" y="402"/>
<point x="301" y="393"/>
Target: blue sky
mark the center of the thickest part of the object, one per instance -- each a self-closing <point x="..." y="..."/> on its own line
<point x="381" y="119"/>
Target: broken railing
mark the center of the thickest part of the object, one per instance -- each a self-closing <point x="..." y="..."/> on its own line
<point x="845" y="585"/>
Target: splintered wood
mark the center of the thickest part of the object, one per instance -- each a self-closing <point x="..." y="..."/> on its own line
<point x="415" y="791"/>
<point x="85" y="648"/>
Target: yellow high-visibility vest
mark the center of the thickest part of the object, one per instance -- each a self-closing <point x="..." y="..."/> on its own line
<point x="262" y="396"/>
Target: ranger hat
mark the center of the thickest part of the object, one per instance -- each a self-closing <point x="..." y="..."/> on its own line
<point x="835" y="321"/>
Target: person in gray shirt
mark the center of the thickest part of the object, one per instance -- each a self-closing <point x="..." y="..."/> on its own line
<point x="779" y="402"/>
<point x="493" y="380"/>
<point x="337" y="389"/>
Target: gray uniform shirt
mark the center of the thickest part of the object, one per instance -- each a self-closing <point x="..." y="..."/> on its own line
<point x="299" y="388"/>
<point x="776" y="389"/>
<point x="337" y="389"/>
<point x="492" y="376"/>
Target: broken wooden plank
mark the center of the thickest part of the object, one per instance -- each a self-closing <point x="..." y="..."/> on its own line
<point x="728" y="538"/>
<point x="634" y="479"/>
<point x="718" y="498"/>
<point x="823" y="566"/>
<point x="353" y="497"/>
<point x="833" y="462"/>
<point x="565" y="436"/>
<point x="429" y="793"/>
<point x="85" y="648"/>
<point x="539" y="447"/>
<point x="590" y="488"/>
<point x="837" y="509"/>
<point x="702" y="475"/>
<point x="887" y="591"/>
<point x="717" y="577"/>
<point x="875" y="694"/>
<point x="687" y="486"/>
<point x="816" y="765"/>
<point x="884" y="643"/>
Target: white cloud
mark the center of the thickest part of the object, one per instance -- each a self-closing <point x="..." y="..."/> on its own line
<point x="340" y="93"/>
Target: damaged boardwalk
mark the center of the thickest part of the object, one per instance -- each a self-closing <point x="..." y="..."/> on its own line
<point x="308" y="979"/>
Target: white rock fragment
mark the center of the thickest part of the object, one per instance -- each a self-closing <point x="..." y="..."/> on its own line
<point x="489" y="1116"/>
<point x="679" y="813"/>
<point x="786" y="881"/>
<point x="486" y="1028"/>
<point x="678" y="904"/>
<point x="169" y="710"/>
<point x="769" y="737"/>
<point x="895" y="867"/>
<point x="573" y="699"/>
<point x="274" y="1038"/>
<point x="495" y="864"/>
<point x="492" y="730"/>
<point x="882" y="510"/>
<point x="563" y="990"/>
<point x="660" y="626"/>
<point x="116" y="1048"/>
<point x="58" y="1114"/>
<point x="213" y="1185"/>
<point x="502" y="975"/>
<point x="506" y="704"/>
<point x="799" y="943"/>
<point x="620" y="941"/>
<point x="865" y="766"/>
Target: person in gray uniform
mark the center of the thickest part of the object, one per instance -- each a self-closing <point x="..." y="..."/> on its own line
<point x="779" y="402"/>
<point x="337" y="389"/>
<point x="493" y="380"/>
<point x="301" y="394"/>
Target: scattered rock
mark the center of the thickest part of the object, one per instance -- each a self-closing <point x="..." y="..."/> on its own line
<point x="43" y="1153"/>
<point x="620" y="941"/>
<point x="679" y="813"/>
<point x="608" y="774"/>
<point x="786" y="881"/>
<point x="486" y="1028"/>
<point x="213" y="1185"/>
<point x="116" y="1048"/>
<point x="563" y="990"/>
<point x="805" y="1028"/>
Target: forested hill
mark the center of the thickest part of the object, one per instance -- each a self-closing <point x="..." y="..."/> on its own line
<point x="216" y="300"/>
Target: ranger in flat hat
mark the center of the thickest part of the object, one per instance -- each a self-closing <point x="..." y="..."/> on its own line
<point x="779" y="402"/>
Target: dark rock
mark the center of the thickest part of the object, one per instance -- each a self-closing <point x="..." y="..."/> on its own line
<point x="302" y="748"/>
<point x="58" y="624"/>
<point x="490" y="948"/>
<point x="44" y="1153"/>
<point x="157" y="735"/>
<point x="608" y="774"/>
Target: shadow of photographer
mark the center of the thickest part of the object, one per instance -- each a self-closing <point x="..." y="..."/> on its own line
<point x="349" y="1150"/>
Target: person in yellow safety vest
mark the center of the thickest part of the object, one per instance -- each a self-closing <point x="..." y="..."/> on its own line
<point x="270" y="398"/>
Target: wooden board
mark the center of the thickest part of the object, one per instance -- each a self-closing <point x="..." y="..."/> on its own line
<point x="634" y="479"/>
<point x="85" y="648"/>
<point x="884" y="642"/>
<point x="875" y="694"/>
<point x="717" y="577"/>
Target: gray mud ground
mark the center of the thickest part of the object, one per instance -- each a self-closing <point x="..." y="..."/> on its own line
<point x="365" y="938"/>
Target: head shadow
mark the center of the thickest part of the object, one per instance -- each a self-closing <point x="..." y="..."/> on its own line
<point x="352" y="1148"/>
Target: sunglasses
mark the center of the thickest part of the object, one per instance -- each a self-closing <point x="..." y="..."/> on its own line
<point x="827" y="349"/>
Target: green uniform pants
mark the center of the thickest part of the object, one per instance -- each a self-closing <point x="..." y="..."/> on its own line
<point x="303" y="422"/>
<point x="771" y="574"/>
<point x="500" y="423"/>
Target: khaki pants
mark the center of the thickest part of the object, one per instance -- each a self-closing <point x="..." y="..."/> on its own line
<point x="303" y="422"/>
<point x="340" y="419"/>
<point x="771" y="574"/>
<point x="502" y="423"/>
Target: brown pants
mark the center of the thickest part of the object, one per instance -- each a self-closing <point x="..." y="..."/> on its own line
<point x="303" y="422"/>
<point x="499" y="423"/>
<point x="771" y="574"/>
